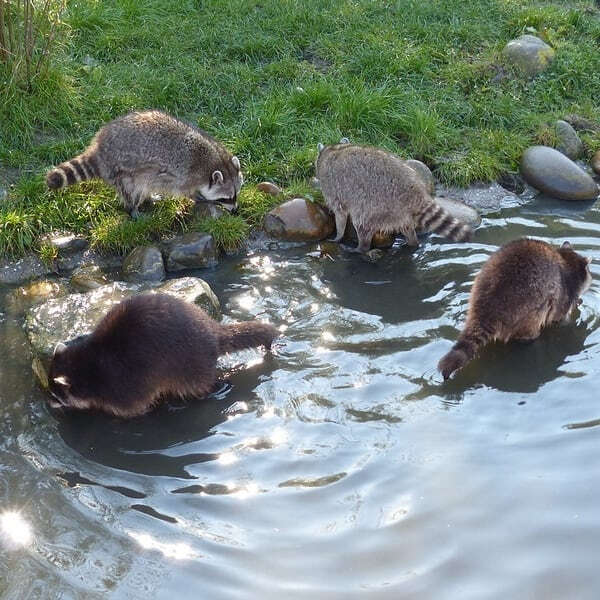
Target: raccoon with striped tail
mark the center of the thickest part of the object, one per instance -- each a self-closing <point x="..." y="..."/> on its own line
<point x="380" y="192"/>
<point x="145" y="153"/>
<point x="522" y="288"/>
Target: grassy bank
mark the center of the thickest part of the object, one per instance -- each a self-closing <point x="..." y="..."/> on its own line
<point x="271" y="79"/>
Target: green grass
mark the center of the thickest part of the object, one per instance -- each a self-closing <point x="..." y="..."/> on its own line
<point x="272" y="79"/>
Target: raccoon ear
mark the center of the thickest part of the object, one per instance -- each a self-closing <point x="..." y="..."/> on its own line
<point x="236" y="162"/>
<point x="588" y="259"/>
<point x="320" y="147"/>
<point x="566" y="245"/>
<point x="59" y="348"/>
<point x="217" y="177"/>
<point x="344" y="140"/>
<point x="62" y="380"/>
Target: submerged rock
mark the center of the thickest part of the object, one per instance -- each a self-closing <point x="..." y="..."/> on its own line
<point x="269" y="188"/>
<point x="568" y="140"/>
<point x="195" y="250"/>
<point x="144" y="263"/>
<point x="35" y="293"/>
<point x="88" y="277"/>
<point x="528" y="54"/>
<point x="553" y="173"/>
<point x="62" y="319"/>
<point x="424" y="174"/>
<point x="299" y="220"/>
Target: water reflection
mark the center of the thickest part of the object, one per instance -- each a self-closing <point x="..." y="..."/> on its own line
<point x="15" y="530"/>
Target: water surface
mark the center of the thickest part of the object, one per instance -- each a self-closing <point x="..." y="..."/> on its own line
<point x="341" y="466"/>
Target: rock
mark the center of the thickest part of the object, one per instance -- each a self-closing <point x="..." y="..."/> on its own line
<point x="512" y="182"/>
<point x="580" y="123"/>
<point x="528" y="54"/>
<point x="553" y="173"/>
<point x="88" y="257"/>
<point x="460" y="211"/>
<point x="568" y="140"/>
<point x="193" y="250"/>
<point x="596" y="162"/>
<point x="483" y="197"/>
<point x="196" y="290"/>
<point x="62" y="319"/>
<point x="66" y="244"/>
<point x="88" y="277"/>
<point x="424" y="174"/>
<point x="23" y="269"/>
<point x="144" y="263"/>
<point x="269" y="188"/>
<point x="299" y="220"/>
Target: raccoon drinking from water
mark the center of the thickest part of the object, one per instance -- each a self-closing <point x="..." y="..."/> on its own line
<point x="523" y="287"/>
<point x="379" y="192"/>
<point x="151" y="152"/>
<point x="146" y="347"/>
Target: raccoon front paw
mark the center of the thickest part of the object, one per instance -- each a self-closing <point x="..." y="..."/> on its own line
<point x="134" y="213"/>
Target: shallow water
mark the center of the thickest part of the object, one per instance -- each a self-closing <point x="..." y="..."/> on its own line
<point x="340" y="467"/>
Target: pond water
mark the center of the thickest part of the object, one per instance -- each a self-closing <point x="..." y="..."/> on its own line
<point x="339" y="467"/>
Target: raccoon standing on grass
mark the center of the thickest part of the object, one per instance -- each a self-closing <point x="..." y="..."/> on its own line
<point x="379" y="192"/>
<point x="147" y="347"/>
<point x="523" y="287"/>
<point x="150" y="152"/>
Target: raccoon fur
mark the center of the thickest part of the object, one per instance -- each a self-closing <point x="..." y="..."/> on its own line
<point x="522" y="288"/>
<point x="150" y="152"/>
<point x="145" y="348"/>
<point x="379" y="192"/>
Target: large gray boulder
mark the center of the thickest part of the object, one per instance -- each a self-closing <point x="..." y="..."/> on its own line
<point x="299" y="220"/>
<point x="62" y="319"/>
<point x="194" y="250"/>
<point x="551" y="172"/>
<point x="144" y="263"/>
<point x="528" y="54"/>
<point x="424" y="173"/>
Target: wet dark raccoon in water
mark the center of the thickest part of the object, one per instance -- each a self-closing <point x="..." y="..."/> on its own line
<point x="147" y="347"/>
<point x="150" y="152"/>
<point x="523" y="287"/>
<point x="379" y="192"/>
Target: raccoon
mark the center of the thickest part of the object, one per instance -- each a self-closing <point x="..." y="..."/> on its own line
<point x="150" y="152"/>
<point x="523" y="287"/>
<point x="379" y="192"/>
<point x="147" y="347"/>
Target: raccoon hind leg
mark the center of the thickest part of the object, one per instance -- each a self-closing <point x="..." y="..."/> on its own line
<point x="410" y="235"/>
<point x="131" y="197"/>
<point x="341" y="219"/>
<point x="365" y="237"/>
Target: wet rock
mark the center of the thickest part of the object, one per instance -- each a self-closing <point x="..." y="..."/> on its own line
<point x="596" y="162"/>
<point x="485" y="197"/>
<point x="512" y="182"/>
<point x="88" y="277"/>
<point x="299" y="220"/>
<point x="568" y="140"/>
<point x="528" y="54"/>
<point x="424" y="174"/>
<point x="553" y="173"/>
<point x="460" y="211"/>
<point x="193" y="290"/>
<point x="269" y="188"/>
<point x="23" y="269"/>
<point x="190" y="251"/>
<point x="62" y="319"/>
<point x="144" y="263"/>
<point x="34" y="293"/>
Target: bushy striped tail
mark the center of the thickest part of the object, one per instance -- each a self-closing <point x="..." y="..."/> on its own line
<point x="469" y="343"/>
<point x="77" y="169"/>
<point x="248" y="334"/>
<point x="436" y="219"/>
